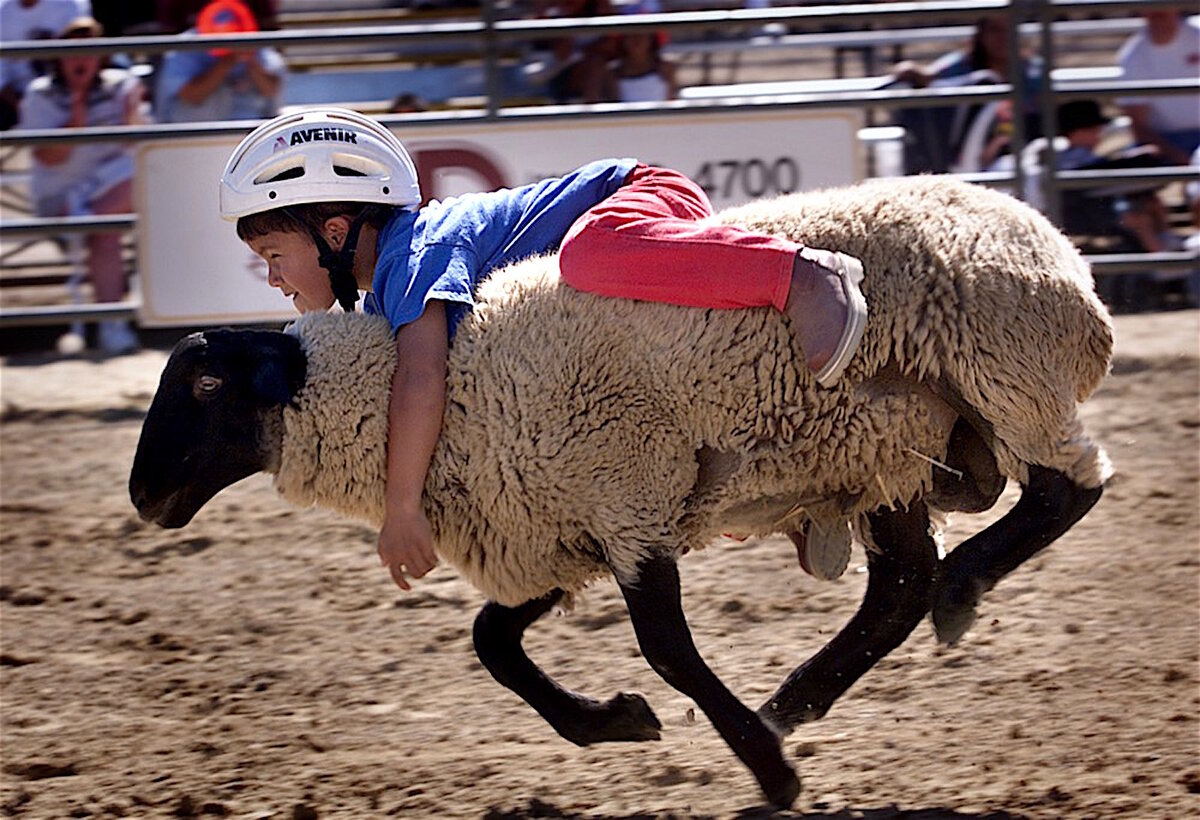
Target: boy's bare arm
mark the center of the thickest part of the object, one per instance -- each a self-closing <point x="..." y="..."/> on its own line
<point x="414" y="423"/>
<point x="200" y="87"/>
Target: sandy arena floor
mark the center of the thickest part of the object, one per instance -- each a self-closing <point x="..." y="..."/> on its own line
<point x="259" y="663"/>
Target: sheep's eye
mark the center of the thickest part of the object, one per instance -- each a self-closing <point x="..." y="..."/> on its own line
<point x="207" y="385"/>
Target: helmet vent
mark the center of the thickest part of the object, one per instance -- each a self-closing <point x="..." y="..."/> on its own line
<point x="290" y="173"/>
<point x="346" y="164"/>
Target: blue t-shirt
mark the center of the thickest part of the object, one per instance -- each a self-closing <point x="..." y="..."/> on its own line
<point x="236" y="98"/>
<point x="443" y="250"/>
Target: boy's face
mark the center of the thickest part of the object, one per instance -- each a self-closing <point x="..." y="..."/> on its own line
<point x="292" y="267"/>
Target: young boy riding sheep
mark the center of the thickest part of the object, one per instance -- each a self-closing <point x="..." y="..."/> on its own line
<point x="330" y="200"/>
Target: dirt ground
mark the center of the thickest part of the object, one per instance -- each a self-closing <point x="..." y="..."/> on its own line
<point x="259" y="663"/>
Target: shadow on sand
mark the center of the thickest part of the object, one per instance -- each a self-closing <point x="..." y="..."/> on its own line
<point x="538" y="809"/>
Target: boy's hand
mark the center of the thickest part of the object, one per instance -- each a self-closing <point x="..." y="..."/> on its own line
<point x="406" y="545"/>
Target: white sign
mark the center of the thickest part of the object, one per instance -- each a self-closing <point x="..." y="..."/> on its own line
<point x="195" y="271"/>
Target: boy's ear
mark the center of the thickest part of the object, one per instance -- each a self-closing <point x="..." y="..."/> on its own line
<point x="335" y="230"/>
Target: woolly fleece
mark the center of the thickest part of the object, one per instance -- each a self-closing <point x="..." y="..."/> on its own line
<point x="582" y="432"/>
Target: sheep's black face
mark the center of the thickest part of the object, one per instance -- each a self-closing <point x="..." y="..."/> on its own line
<point x="215" y="419"/>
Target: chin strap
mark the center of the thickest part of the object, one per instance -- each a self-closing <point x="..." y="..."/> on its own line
<point x="340" y="263"/>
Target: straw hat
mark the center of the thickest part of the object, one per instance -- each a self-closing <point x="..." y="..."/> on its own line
<point x="82" y="26"/>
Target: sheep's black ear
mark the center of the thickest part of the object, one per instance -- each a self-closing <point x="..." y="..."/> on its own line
<point x="280" y="368"/>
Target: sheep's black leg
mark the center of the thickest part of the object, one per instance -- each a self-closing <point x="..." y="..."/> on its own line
<point x="666" y="642"/>
<point x="897" y="598"/>
<point x="1050" y="504"/>
<point x="581" y="720"/>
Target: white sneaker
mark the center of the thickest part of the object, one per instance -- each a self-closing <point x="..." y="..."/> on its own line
<point x="71" y="343"/>
<point x="116" y="337"/>
<point x="850" y="272"/>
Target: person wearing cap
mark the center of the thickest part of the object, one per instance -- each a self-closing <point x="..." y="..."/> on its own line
<point x="220" y="83"/>
<point x="1082" y="123"/>
<point x="1080" y="126"/>
<point x="93" y="177"/>
<point x="330" y="199"/>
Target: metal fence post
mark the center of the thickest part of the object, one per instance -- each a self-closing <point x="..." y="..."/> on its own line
<point x="491" y="71"/>
<point x="1018" y="11"/>
<point x="1051" y="196"/>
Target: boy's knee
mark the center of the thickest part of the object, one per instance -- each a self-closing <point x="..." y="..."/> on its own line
<point x="572" y="258"/>
<point x="583" y="246"/>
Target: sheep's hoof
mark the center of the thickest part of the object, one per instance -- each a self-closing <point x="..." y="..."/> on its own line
<point x="784" y="788"/>
<point x="631" y="718"/>
<point x="953" y="611"/>
<point x="625" y="717"/>
<point x="951" y="624"/>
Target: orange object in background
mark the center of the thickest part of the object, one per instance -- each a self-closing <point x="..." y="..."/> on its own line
<point x="225" y="17"/>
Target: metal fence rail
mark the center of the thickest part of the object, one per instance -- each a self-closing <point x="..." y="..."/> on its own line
<point x="38" y="316"/>
<point x="58" y="226"/>
<point x="1110" y="263"/>
<point x="887" y="99"/>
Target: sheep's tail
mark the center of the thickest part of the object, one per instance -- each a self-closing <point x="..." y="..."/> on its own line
<point x="1094" y="345"/>
<point x="1029" y="379"/>
<point x="1090" y="465"/>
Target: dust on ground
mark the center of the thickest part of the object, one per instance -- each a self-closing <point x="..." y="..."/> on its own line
<point x="259" y="663"/>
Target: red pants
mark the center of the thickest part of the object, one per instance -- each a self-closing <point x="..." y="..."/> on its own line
<point x="650" y="240"/>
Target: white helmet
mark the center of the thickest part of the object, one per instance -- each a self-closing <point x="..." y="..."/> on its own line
<point x="322" y="155"/>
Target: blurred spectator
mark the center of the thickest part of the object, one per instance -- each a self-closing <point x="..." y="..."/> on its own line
<point x="1168" y="47"/>
<point x="220" y="84"/>
<point x="988" y="51"/>
<point x="1121" y="218"/>
<point x="1146" y="218"/>
<point x="971" y="136"/>
<point x="1080" y="126"/>
<point x="576" y="68"/>
<point x="1081" y="123"/>
<point x="89" y="178"/>
<point x="29" y="20"/>
<point x="640" y="72"/>
<point x="1193" y="197"/>
<point x="1192" y="242"/>
<point x="1090" y="212"/>
<point x="406" y="103"/>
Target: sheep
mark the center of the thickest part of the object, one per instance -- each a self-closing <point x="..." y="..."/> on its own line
<point x="586" y="437"/>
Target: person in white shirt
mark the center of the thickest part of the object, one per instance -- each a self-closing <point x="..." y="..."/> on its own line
<point x="641" y="73"/>
<point x="29" y="20"/>
<point x="1167" y="48"/>
<point x="93" y="177"/>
